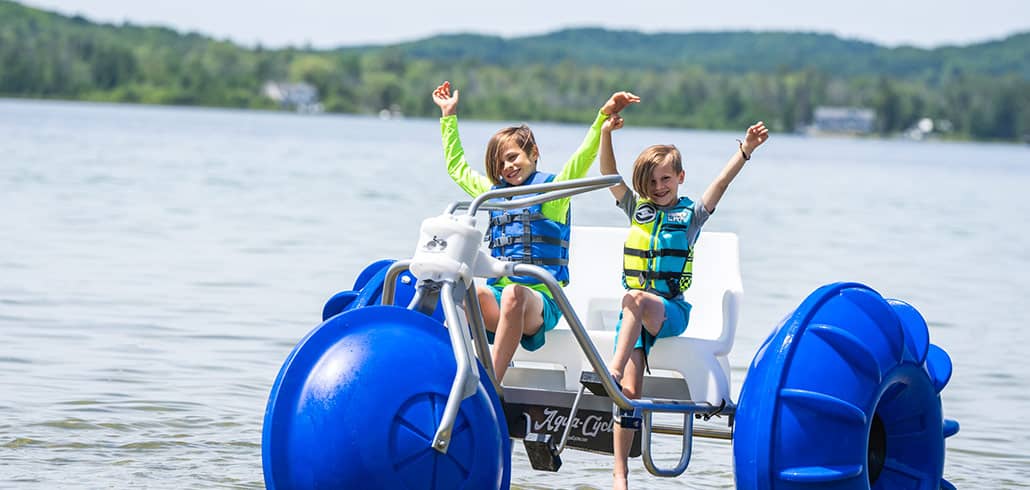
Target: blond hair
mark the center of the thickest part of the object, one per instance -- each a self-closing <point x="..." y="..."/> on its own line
<point x="493" y="161"/>
<point x="649" y="159"/>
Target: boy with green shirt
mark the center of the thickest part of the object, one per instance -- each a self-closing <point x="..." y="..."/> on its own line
<point x="520" y="309"/>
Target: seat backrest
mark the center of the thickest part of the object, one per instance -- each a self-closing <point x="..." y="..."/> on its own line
<point x="595" y="287"/>
<point x="595" y="270"/>
<point x="716" y="271"/>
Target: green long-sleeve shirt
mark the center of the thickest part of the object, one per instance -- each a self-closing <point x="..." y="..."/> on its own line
<point x="475" y="183"/>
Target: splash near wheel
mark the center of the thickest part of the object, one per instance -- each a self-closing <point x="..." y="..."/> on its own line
<point x="358" y="401"/>
<point x="845" y="394"/>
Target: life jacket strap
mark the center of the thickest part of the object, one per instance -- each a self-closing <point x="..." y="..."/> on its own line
<point x="504" y="219"/>
<point x="505" y="240"/>
<point x="645" y="275"/>
<point x="650" y="254"/>
<point x="671" y="280"/>
<point x="536" y="260"/>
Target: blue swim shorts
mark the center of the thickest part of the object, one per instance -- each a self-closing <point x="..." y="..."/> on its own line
<point x="677" y="314"/>
<point x="551" y="316"/>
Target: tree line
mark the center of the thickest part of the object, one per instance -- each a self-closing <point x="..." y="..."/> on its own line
<point x="701" y="80"/>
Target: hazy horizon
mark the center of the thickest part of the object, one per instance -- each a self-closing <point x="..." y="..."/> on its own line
<point x="919" y="23"/>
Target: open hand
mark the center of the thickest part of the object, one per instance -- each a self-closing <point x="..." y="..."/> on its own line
<point x="755" y="136"/>
<point x="618" y="101"/>
<point x="447" y="101"/>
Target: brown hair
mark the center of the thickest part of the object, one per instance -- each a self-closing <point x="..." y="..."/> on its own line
<point x="521" y="135"/>
<point x="650" y="158"/>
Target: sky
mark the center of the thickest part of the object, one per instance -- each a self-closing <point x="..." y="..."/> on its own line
<point x="335" y="23"/>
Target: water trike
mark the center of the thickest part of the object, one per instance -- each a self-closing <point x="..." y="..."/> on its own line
<point x="394" y="389"/>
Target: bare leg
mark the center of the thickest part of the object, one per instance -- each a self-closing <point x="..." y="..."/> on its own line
<point x="521" y="313"/>
<point x="639" y="309"/>
<point x="488" y="305"/>
<point x="623" y="438"/>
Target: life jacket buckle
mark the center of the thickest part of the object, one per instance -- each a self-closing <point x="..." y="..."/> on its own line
<point x="501" y="220"/>
<point x="502" y="241"/>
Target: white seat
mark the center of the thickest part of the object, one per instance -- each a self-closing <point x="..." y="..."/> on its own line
<point x="595" y="290"/>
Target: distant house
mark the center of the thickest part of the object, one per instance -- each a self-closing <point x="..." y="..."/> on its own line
<point x="302" y="97"/>
<point x="847" y="120"/>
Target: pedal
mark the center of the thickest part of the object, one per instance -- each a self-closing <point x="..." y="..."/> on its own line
<point x="630" y="419"/>
<point x="592" y="382"/>
<point x="543" y="454"/>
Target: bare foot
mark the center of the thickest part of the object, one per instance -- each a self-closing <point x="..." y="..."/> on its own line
<point x="620" y="482"/>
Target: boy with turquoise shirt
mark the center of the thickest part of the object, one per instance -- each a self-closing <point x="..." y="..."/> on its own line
<point x="657" y="257"/>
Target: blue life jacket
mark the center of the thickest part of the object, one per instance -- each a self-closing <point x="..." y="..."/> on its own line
<point x="525" y="235"/>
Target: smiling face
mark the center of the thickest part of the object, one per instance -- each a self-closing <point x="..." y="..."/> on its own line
<point x="665" y="184"/>
<point x="515" y="166"/>
<point x="511" y="155"/>
<point x="658" y="173"/>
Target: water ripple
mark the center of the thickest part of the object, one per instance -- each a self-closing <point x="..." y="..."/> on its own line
<point x="22" y="442"/>
<point x="15" y="360"/>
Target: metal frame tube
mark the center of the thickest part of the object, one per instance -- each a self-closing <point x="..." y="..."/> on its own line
<point x="706" y="432"/>
<point x="390" y="281"/>
<point x="545" y="192"/>
<point x="466" y="377"/>
<point x="474" y="314"/>
<point x="685" y="453"/>
<point x="572" y="416"/>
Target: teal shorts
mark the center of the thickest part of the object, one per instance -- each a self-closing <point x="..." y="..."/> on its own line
<point x="677" y="314"/>
<point x="551" y="316"/>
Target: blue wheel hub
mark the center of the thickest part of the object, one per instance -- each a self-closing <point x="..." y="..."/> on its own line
<point x="845" y="394"/>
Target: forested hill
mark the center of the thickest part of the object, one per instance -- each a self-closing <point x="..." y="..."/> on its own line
<point x="729" y="52"/>
<point x="720" y="80"/>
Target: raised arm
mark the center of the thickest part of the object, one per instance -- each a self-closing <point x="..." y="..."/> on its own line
<point x="578" y="165"/>
<point x="753" y="138"/>
<point x="608" y="166"/>
<point x="469" y="180"/>
<point x="447" y="101"/>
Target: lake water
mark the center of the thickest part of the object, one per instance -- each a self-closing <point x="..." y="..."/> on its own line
<point x="158" y="264"/>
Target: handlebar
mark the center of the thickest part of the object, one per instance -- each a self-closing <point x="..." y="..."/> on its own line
<point x="544" y="192"/>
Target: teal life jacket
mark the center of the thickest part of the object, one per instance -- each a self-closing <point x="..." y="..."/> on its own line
<point x="526" y="236"/>
<point x="658" y="256"/>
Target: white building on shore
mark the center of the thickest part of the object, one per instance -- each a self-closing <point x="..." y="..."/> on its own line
<point x="302" y="97"/>
<point x="842" y="120"/>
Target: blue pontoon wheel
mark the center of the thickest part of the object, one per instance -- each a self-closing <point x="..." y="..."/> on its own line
<point x="358" y="401"/>
<point x="368" y="291"/>
<point x="845" y="394"/>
